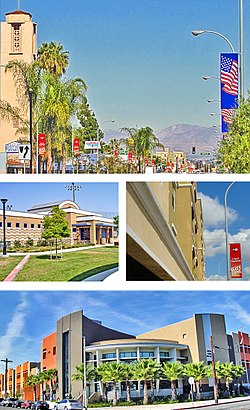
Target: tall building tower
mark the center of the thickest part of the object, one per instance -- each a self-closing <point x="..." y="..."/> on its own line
<point x="18" y="42"/>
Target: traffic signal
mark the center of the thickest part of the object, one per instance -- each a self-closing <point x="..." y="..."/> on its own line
<point x="193" y="150"/>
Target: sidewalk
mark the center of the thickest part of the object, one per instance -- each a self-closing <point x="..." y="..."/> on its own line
<point x="100" y="277"/>
<point x="84" y="248"/>
<point x="182" y="406"/>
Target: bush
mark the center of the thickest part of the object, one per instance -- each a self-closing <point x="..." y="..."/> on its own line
<point x="17" y="244"/>
<point x="41" y="243"/>
<point x="29" y="242"/>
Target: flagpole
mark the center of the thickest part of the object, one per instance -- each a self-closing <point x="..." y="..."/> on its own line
<point x="241" y="38"/>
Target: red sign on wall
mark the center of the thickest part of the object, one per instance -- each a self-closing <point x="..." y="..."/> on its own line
<point x="41" y="144"/>
<point x="235" y="260"/>
<point x="76" y="146"/>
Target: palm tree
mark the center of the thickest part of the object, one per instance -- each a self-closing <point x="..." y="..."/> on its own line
<point x="128" y="376"/>
<point x="227" y="372"/>
<point x="172" y="371"/>
<point x="32" y="381"/>
<point x="198" y="371"/>
<point x="50" y="377"/>
<point x="52" y="58"/>
<point x="111" y="372"/>
<point x="79" y="375"/>
<point x="146" y="370"/>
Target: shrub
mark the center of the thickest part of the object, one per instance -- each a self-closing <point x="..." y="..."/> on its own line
<point x="29" y="242"/>
<point x="17" y="244"/>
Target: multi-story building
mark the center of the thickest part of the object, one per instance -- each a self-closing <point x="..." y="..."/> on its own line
<point x="18" y="42"/>
<point x="164" y="231"/>
<point x="22" y="372"/>
<point x="85" y="226"/>
<point x="75" y="332"/>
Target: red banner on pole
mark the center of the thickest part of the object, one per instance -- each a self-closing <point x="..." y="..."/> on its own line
<point x="130" y="155"/>
<point x="41" y="144"/>
<point x="235" y="260"/>
<point x="76" y="146"/>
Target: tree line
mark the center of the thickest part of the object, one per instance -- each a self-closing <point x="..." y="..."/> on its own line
<point x="148" y="370"/>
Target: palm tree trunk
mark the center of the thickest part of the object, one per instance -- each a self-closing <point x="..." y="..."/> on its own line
<point x="114" y="394"/>
<point x="198" y="393"/>
<point x="128" y="390"/>
<point x="145" y="392"/>
<point x="152" y="390"/>
<point x="173" y="388"/>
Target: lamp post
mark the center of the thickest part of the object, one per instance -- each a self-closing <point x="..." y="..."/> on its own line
<point x="209" y="77"/>
<point x="31" y="126"/>
<point x="73" y="188"/>
<point x="199" y="32"/>
<point x="226" y="231"/>
<point x="4" y="200"/>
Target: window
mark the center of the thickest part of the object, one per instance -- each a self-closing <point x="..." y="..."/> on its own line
<point x="39" y="226"/>
<point x="17" y="225"/>
<point x="8" y="224"/>
<point x="25" y="225"/>
<point x="16" y="38"/>
<point x="74" y="230"/>
<point x="54" y="350"/>
<point x="147" y="355"/>
<point x="32" y="226"/>
<point x="44" y="353"/>
<point x="127" y="354"/>
<point x="108" y="356"/>
<point x="1" y="224"/>
<point x="164" y="354"/>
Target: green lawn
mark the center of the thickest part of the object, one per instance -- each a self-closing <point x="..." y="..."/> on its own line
<point x="74" y="266"/>
<point x="8" y="264"/>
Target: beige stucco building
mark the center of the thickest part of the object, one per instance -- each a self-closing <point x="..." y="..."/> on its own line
<point x="18" y="42"/>
<point x="164" y="231"/>
<point x="85" y="226"/>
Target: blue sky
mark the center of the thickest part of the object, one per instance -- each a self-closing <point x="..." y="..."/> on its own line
<point x="138" y="58"/>
<point x="238" y="202"/>
<point x="27" y="317"/>
<point x="102" y="197"/>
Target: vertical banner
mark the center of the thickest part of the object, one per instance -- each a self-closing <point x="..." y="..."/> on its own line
<point x="235" y="261"/>
<point x="41" y="144"/>
<point x="76" y="146"/>
<point x="130" y="156"/>
<point x="229" y="88"/>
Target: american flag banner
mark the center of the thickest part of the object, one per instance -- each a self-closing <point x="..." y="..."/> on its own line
<point x="229" y="75"/>
<point x="227" y="115"/>
<point x="229" y="88"/>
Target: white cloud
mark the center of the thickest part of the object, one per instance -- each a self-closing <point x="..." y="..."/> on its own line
<point x="14" y="329"/>
<point x="214" y="213"/>
<point x="215" y="242"/>
<point x="236" y="310"/>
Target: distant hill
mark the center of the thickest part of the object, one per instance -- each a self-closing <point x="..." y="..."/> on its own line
<point x="181" y="137"/>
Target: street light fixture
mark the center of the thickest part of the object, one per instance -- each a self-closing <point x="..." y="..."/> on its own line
<point x="209" y="77"/>
<point x="73" y="188"/>
<point x="4" y="200"/>
<point x="211" y="101"/>
<point x="199" y="32"/>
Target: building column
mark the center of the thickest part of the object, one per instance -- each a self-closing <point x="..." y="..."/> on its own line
<point x="93" y="232"/>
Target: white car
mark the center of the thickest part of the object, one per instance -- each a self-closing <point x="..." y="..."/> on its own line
<point x="68" y="404"/>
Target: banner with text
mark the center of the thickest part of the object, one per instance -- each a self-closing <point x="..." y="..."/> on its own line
<point x="235" y="260"/>
<point x="229" y="88"/>
<point x="41" y="144"/>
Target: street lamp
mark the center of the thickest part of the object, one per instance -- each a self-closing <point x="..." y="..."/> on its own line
<point x="199" y="32"/>
<point x="31" y="126"/>
<point x="4" y="200"/>
<point x="73" y="188"/>
<point x="211" y="101"/>
<point x="226" y="231"/>
<point x="209" y="77"/>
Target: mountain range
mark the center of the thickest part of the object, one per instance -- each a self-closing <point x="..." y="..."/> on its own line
<point x="179" y="137"/>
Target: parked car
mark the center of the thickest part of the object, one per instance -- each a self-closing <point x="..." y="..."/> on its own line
<point x="27" y="404"/>
<point x="68" y="404"/>
<point x="8" y="402"/>
<point x="40" y="405"/>
<point x="51" y="404"/>
<point x="17" y="403"/>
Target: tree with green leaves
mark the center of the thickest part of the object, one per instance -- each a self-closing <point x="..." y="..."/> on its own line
<point x="52" y="58"/>
<point x="234" y="149"/>
<point x="111" y="372"/>
<point x="227" y="373"/>
<point x="55" y="226"/>
<point x="32" y="381"/>
<point x="198" y="371"/>
<point x="146" y="370"/>
<point x="128" y="376"/>
<point x="172" y="371"/>
<point x="116" y="223"/>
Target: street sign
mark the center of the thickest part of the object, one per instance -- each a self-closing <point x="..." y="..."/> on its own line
<point x="12" y="147"/>
<point x="92" y="145"/>
<point x="24" y="152"/>
<point x="191" y="380"/>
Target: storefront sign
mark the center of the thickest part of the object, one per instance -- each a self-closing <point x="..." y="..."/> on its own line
<point x="92" y="145"/>
<point x="12" y="147"/>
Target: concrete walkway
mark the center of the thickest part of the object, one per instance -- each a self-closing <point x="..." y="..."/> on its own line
<point x="100" y="277"/>
<point x="83" y="248"/>
<point x="182" y="406"/>
<point x="16" y="270"/>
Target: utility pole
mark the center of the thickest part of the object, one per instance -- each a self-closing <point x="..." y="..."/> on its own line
<point x="6" y="361"/>
<point x="213" y="371"/>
